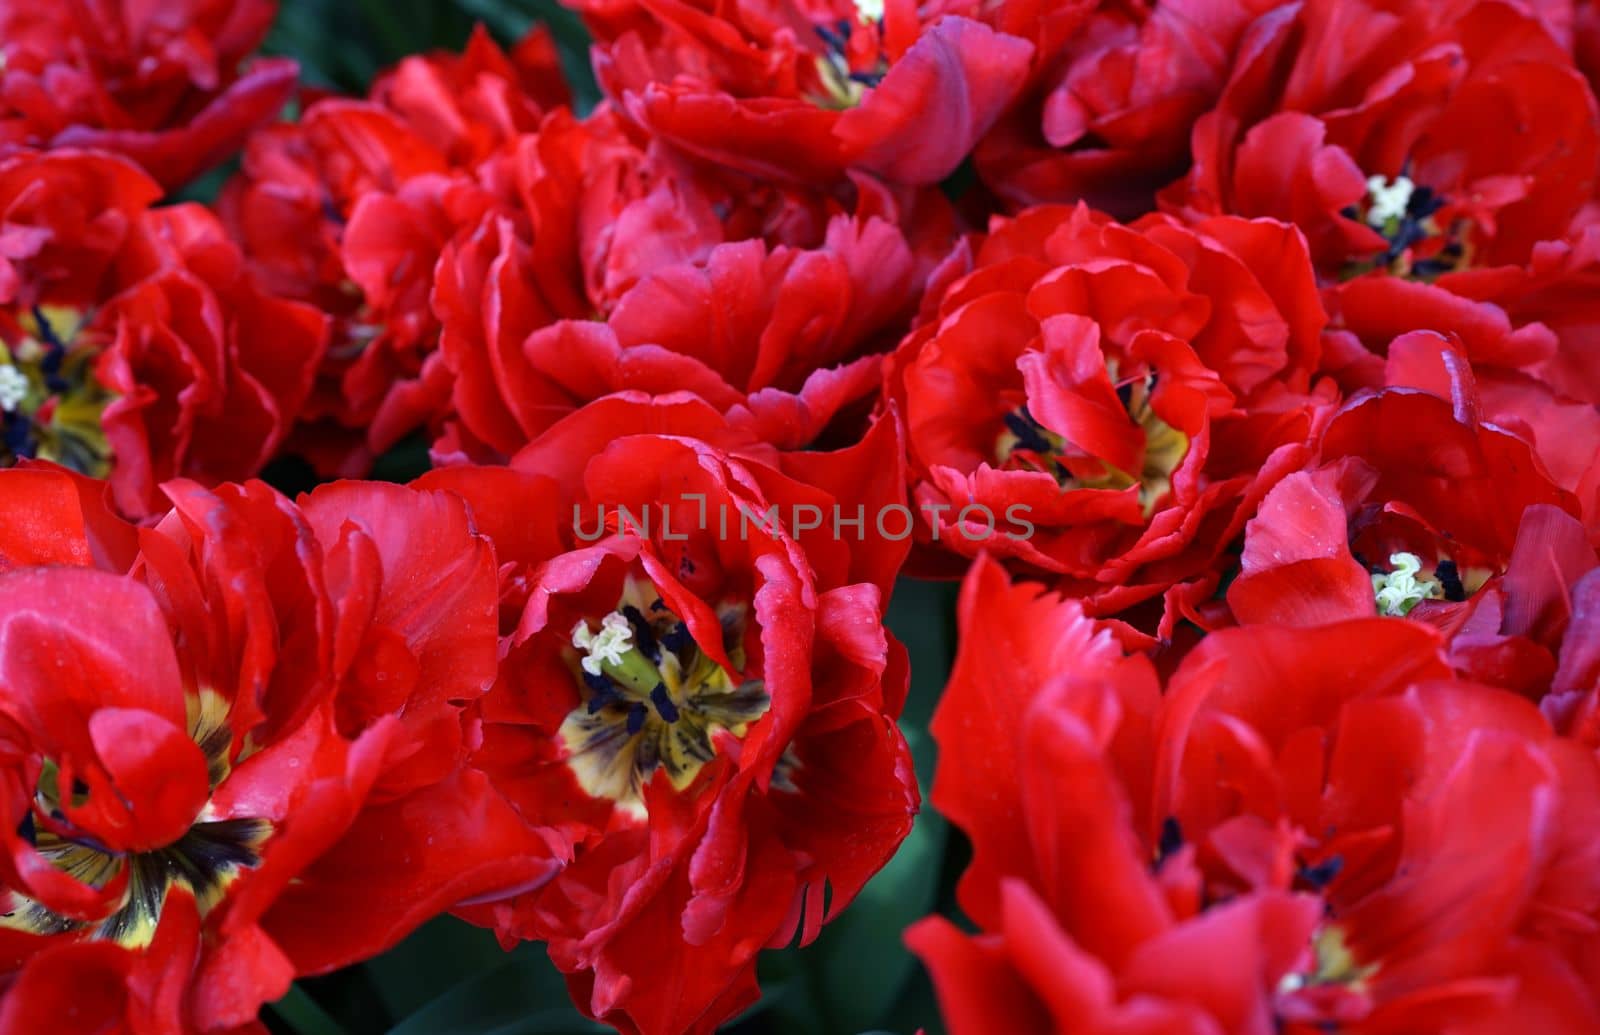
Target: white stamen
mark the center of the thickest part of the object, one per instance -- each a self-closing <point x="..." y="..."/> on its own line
<point x="870" y="10"/>
<point x="1389" y="200"/>
<point x="1400" y="590"/>
<point x="615" y="640"/>
<point x="13" y="387"/>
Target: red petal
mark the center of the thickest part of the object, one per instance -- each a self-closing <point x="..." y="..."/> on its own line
<point x="928" y="112"/>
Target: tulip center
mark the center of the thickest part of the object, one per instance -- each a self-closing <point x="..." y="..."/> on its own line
<point x="652" y="699"/>
<point x="852" y="59"/>
<point x="361" y="329"/>
<point x="50" y="401"/>
<point x="1025" y="444"/>
<point x="1334" y="964"/>
<point x="205" y="861"/>
<point x="1399" y="590"/>
<point x="1406" y="214"/>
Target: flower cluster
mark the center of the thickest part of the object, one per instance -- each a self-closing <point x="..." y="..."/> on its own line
<point x="1243" y="356"/>
<point x="1366" y="823"/>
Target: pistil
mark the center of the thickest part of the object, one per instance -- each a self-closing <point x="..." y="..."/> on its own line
<point x="653" y="699"/>
<point x="1398" y="591"/>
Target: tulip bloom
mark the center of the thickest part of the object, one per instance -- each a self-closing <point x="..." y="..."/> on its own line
<point x="803" y="93"/>
<point x="1303" y="829"/>
<point x="1111" y="401"/>
<point x="698" y="690"/>
<point x="226" y="745"/>
<point x="134" y="344"/>
<point x="168" y="88"/>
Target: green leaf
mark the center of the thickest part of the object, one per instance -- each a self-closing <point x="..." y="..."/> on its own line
<point x="788" y="1000"/>
<point x="507" y="21"/>
<point x="344" y="45"/>
<point x="439" y="955"/>
<point x="207" y="185"/>
<point x="524" y="995"/>
<point x="917" y="1008"/>
<point x="406" y="461"/>
<point x="922" y="615"/>
<point x="303" y="1016"/>
<point x="860" y="962"/>
<point x="329" y="40"/>
<point x="389" y="27"/>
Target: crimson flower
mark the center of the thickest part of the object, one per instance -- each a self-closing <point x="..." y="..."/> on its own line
<point x="1091" y="915"/>
<point x="1104" y="404"/>
<point x="163" y="86"/>
<point x="1116" y="89"/>
<point x="455" y="213"/>
<point x="788" y="339"/>
<point x="796" y="92"/>
<point x="469" y="105"/>
<point x="350" y="208"/>
<point x="156" y="795"/>
<point x="413" y="584"/>
<point x="451" y="248"/>
<point x="66" y="217"/>
<point x="698" y="690"/>
<point x="1414" y="497"/>
<point x="1305" y="829"/>
<point x="1367" y="126"/>
<point x="134" y="344"/>
<point x="1548" y="301"/>
<point x="225" y="758"/>
<point x="1441" y="823"/>
<point x="1530" y="629"/>
<point x="1441" y="159"/>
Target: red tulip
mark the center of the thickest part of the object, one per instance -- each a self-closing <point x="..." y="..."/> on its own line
<point x="225" y="754"/>
<point x="1304" y="828"/>
<point x="797" y="93"/>
<point x="1117" y="89"/>
<point x="698" y="690"/>
<point x="136" y="346"/>
<point x="166" y="87"/>
<point x="1105" y="404"/>
<point x="1411" y="480"/>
